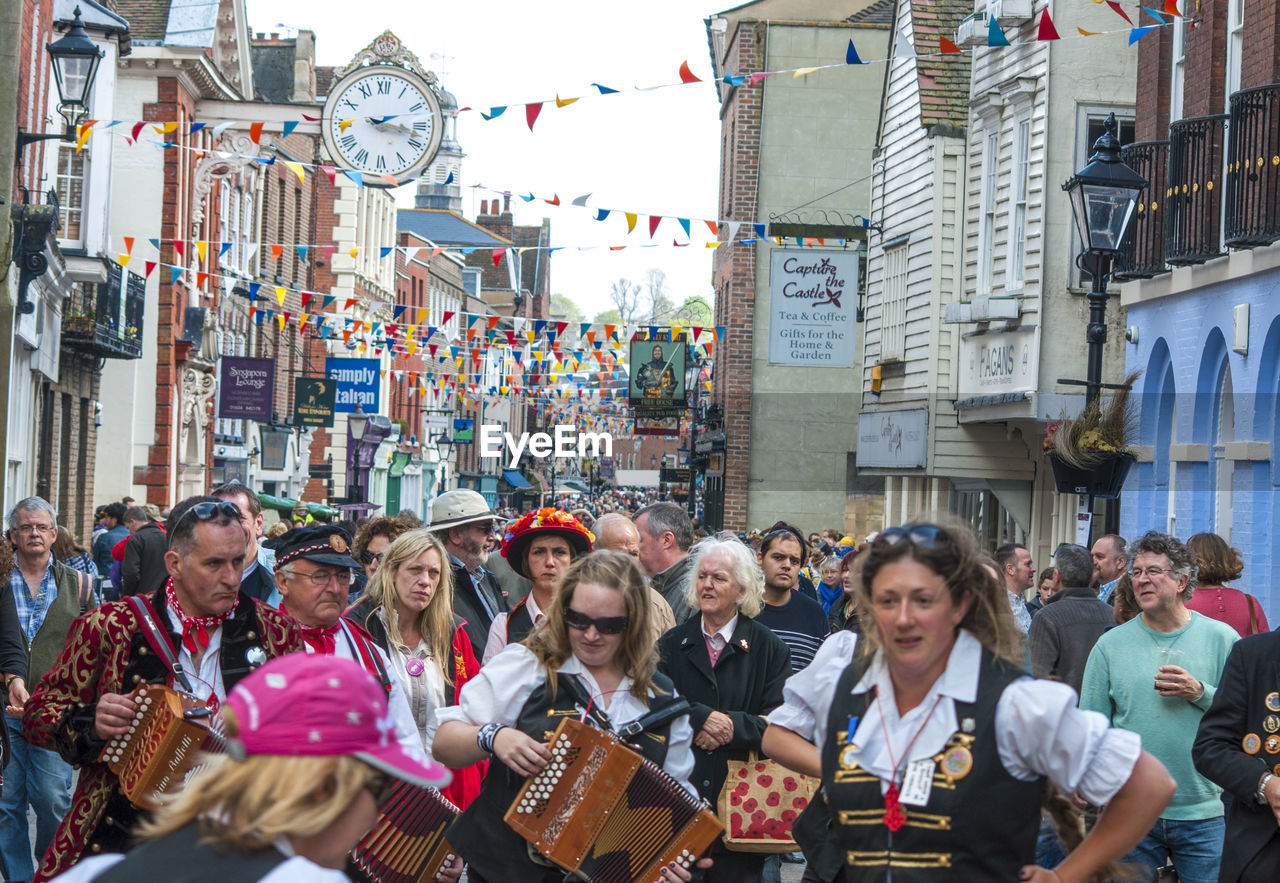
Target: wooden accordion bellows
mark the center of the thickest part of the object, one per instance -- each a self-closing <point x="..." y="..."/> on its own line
<point x="159" y="751"/>
<point x="605" y="813"/>
<point x="406" y="844"/>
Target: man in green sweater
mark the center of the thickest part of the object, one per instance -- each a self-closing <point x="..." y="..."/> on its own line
<point x="1156" y="675"/>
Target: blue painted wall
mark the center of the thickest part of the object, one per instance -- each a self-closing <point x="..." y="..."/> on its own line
<point x="1184" y="349"/>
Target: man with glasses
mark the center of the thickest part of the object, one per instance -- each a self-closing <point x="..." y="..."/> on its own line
<point x="197" y="633"/>
<point x="464" y="523"/>
<point x="48" y="596"/>
<point x="1156" y="675"/>
<point x="313" y="574"/>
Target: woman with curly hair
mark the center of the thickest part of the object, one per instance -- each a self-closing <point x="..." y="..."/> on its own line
<point x="407" y="608"/>
<point x="593" y="654"/>
<point x="936" y="750"/>
<point x="1220" y="564"/>
<point x="539" y="547"/>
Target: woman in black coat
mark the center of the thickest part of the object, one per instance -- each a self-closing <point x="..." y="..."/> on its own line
<point x="731" y="670"/>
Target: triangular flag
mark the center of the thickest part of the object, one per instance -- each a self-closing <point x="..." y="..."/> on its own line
<point x="497" y="256"/>
<point x="565" y="102"/>
<point x="288" y="128"/>
<point x="605" y="90"/>
<point x="276" y="251"/>
<point x="1116" y="8"/>
<point x="202" y="246"/>
<point x="302" y="253"/>
<point x="850" y="55"/>
<point x="654" y="221"/>
<point x="201" y="279"/>
<point x="602" y="213"/>
<point x="494" y="113"/>
<point x="531" y="112"/>
<point x="686" y="75"/>
<point x="128" y="245"/>
<point x="1085" y="33"/>
<point x="581" y="200"/>
<point x="1138" y="33"/>
<point x="150" y="267"/>
<point x="1170" y="8"/>
<point x="631" y="220"/>
<point x="995" y="36"/>
<point x="1157" y="16"/>
<point x="180" y="248"/>
<point x="355" y="177"/>
<point x="255" y="132"/>
<point x="280" y="293"/>
<point x="903" y="48"/>
<point x="296" y="168"/>
<point x="1047" y="31"/>
<point x="946" y="46"/>
<point x="803" y="71"/>
<point x="174" y="274"/>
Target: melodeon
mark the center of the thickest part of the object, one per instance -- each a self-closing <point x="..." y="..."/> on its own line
<point x="159" y="752"/>
<point x="406" y="844"/>
<point x="603" y="812"/>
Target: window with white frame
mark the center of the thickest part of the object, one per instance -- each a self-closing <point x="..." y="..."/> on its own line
<point x="72" y="175"/>
<point x="893" y="311"/>
<point x="1179" y="68"/>
<point x="1235" y="47"/>
<point x="987" y="234"/>
<point x="1018" y="223"/>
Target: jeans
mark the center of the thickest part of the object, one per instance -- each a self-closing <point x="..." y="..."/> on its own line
<point x="42" y="780"/>
<point x="1194" y="846"/>
<point x="1049" y="849"/>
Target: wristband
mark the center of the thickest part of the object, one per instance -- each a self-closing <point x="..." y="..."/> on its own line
<point x="485" y="737"/>
<point x="1261" y="794"/>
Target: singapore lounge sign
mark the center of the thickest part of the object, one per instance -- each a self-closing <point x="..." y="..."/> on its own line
<point x="813" y="302"/>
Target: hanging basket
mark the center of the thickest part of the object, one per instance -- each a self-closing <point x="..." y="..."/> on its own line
<point x="1103" y="479"/>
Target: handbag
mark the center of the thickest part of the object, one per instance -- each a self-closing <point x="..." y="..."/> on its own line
<point x="759" y="802"/>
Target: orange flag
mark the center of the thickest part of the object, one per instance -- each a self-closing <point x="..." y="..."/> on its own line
<point x="947" y="46"/>
<point x="686" y="75"/>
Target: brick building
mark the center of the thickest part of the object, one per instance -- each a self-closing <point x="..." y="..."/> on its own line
<point x="1203" y="313"/>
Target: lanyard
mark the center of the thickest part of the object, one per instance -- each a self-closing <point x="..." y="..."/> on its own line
<point x="894" y="817"/>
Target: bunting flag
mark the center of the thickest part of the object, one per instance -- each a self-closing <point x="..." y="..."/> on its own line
<point x="1138" y="33"/>
<point x="1171" y="8"/>
<point x="850" y="56"/>
<point x="995" y="36"/>
<point x="1118" y="10"/>
<point x="531" y="112"/>
<point x="686" y="75"/>
<point x="255" y="132"/>
<point x="946" y="47"/>
<point x="1046" y="30"/>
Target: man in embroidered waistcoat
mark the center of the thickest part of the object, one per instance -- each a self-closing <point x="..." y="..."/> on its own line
<point x="215" y="634"/>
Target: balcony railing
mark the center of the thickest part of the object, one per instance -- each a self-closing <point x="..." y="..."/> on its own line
<point x="1193" y="199"/>
<point x="104" y="320"/>
<point x="1143" y="254"/>
<point x="1253" y="168"/>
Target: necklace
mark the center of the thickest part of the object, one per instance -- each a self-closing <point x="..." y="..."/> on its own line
<point x="894" y="817"/>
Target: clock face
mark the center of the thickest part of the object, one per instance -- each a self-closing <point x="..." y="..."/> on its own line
<point x="382" y="120"/>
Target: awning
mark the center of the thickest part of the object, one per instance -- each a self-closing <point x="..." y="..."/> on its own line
<point x="573" y="484"/>
<point x="515" y="479"/>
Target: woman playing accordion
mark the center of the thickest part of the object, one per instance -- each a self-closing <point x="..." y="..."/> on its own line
<point x="592" y="656"/>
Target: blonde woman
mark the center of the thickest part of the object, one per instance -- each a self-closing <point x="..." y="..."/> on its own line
<point x="592" y="654"/>
<point x="280" y="809"/>
<point x="407" y="607"/>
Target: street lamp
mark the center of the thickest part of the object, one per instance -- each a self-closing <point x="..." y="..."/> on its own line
<point x="1103" y="195"/>
<point x="75" y="66"/>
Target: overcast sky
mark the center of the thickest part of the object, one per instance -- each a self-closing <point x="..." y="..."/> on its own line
<point x="649" y="152"/>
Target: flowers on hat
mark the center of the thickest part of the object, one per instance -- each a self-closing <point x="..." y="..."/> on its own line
<point x="546" y="518"/>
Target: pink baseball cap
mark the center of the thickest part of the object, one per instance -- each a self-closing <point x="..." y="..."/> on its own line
<point x="311" y="705"/>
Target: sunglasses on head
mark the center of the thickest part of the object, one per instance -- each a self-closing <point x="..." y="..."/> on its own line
<point x="210" y="509"/>
<point x="605" y="625"/>
<point x="924" y="536"/>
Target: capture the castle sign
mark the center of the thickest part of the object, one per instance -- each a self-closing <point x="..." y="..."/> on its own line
<point x="813" y="306"/>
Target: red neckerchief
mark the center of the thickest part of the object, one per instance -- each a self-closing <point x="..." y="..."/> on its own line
<point x="321" y="639"/>
<point x="195" y="629"/>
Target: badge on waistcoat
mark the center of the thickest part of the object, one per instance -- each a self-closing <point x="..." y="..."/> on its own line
<point x="1271" y="723"/>
<point x="849" y="757"/>
<point x="1273" y="702"/>
<point x="1273" y="745"/>
<point x="967" y="725"/>
<point x="957" y="761"/>
<point x="255" y="656"/>
<point x="1252" y="742"/>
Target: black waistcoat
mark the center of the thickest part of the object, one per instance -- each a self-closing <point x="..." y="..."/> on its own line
<point x="519" y="623"/>
<point x="479" y="834"/>
<point x="978" y="827"/>
<point x="185" y="857"/>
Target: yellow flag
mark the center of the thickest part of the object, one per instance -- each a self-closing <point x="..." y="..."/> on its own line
<point x="280" y="319"/>
<point x="280" y="295"/>
<point x="296" y="168"/>
<point x="803" y="71"/>
<point x="201" y="247"/>
<point x="165" y="128"/>
<point x="564" y="102"/>
<point x="355" y="252"/>
<point x="342" y="126"/>
<point x="631" y="221"/>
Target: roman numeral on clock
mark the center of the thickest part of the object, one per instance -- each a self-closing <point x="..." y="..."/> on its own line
<point x="384" y="87"/>
<point x="348" y="142"/>
<point x="361" y="157"/>
<point x="381" y="164"/>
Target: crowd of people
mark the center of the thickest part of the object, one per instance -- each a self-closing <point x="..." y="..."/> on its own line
<point x="966" y="716"/>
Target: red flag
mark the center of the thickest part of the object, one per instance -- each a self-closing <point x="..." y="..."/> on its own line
<point x="306" y="299"/>
<point x="555" y="200"/>
<point x="497" y="256"/>
<point x="150" y="267"/>
<point x="137" y="127"/>
<point x="686" y="75"/>
<point x="1047" y="30"/>
<point x="654" y="221"/>
<point x="531" y="112"/>
<point x="179" y="246"/>
<point x="1115" y="7"/>
<point x="947" y="46"/>
<point x="255" y="132"/>
<point x="351" y="302"/>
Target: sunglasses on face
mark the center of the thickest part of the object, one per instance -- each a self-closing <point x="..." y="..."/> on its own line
<point x="923" y="536"/>
<point x="370" y="557"/>
<point x="211" y="509"/>
<point x="605" y="625"/>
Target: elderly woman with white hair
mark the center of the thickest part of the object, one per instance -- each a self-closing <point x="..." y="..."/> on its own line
<point x="731" y="669"/>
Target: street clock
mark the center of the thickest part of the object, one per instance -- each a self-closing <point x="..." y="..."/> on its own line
<point x="382" y="116"/>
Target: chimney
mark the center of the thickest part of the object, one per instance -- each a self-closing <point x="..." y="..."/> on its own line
<point x="506" y="203"/>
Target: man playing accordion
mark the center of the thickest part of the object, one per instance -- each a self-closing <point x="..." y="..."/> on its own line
<point x="197" y="633"/>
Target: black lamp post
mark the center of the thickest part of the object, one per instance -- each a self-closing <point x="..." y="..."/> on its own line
<point x="75" y="66"/>
<point x="1103" y="195"/>
<point x="357" y="422"/>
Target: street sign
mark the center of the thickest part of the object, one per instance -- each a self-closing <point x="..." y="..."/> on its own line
<point x="313" y="401"/>
<point x="245" y="388"/>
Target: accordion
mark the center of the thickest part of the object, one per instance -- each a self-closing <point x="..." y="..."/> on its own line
<point x="159" y="752"/>
<point x="604" y="813"/>
<point x="406" y="844"/>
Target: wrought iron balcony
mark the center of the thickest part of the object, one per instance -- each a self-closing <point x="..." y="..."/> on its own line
<point x="104" y="320"/>
<point x="1252" y="211"/>
<point x="1143" y="254"/>
<point x="1193" y="198"/>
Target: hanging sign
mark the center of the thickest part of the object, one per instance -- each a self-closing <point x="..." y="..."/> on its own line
<point x="357" y="384"/>
<point x="245" y="388"/>
<point x="657" y="374"/>
<point x="813" y="307"/>
<point x="313" y="401"/>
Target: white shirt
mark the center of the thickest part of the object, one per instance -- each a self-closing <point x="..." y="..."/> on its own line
<point x="205" y="678"/>
<point x="498" y="631"/>
<point x="424" y="693"/>
<point x="498" y="693"/>
<point x="406" y="730"/>
<point x="721" y="637"/>
<point x="1039" y="729"/>
<point x="1021" y="618"/>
